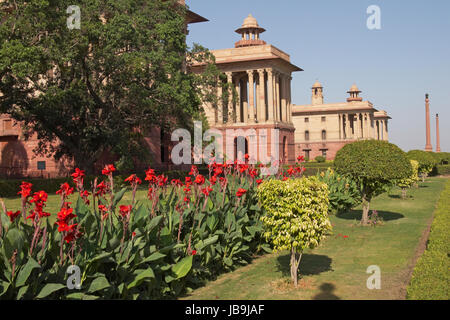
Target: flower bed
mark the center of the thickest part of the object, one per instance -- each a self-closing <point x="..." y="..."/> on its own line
<point x="186" y="232"/>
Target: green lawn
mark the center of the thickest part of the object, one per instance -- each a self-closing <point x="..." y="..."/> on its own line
<point x="337" y="269"/>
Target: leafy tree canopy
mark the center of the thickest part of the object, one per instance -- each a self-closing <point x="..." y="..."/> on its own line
<point x="100" y="87"/>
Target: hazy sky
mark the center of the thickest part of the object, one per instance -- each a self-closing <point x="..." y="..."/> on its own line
<point x="393" y="67"/>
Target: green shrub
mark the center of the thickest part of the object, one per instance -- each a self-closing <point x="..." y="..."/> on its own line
<point x="343" y="192"/>
<point x="320" y="159"/>
<point x="295" y="216"/>
<point x="408" y="182"/>
<point x="431" y="277"/>
<point x="426" y="161"/>
<point x="374" y="165"/>
<point x="441" y="157"/>
<point x="443" y="169"/>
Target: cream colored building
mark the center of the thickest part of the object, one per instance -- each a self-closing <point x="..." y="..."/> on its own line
<point x="323" y="128"/>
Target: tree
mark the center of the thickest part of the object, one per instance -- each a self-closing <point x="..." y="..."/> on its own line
<point x="426" y="161"/>
<point x="413" y="179"/>
<point x="295" y="216"/>
<point x="373" y="165"/>
<point x="101" y="87"/>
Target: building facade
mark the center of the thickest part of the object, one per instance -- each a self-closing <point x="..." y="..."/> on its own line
<point x="321" y="129"/>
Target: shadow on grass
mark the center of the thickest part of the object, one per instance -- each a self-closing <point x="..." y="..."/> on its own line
<point x="397" y="196"/>
<point x="326" y="292"/>
<point x="310" y="264"/>
<point x="357" y="214"/>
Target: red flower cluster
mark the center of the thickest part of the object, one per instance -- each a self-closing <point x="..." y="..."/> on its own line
<point x="241" y="192"/>
<point x="70" y="231"/>
<point x="108" y="169"/>
<point x="25" y="189"/>
<point x="65" y="190"/>
<point x="102" y="189"/>
<point x="12" y="215"/>
<point x="133" y="180"/>
<point x="39" y="199"/>
<point x="103" y="211"/>
<point x="125" y="211"/>
<point x="78" y="175"/>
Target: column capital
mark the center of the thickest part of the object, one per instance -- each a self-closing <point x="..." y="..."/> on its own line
<point x="229" y="75"/>
<point x="250" y="72"/>
<point x="269" y="71"/>
<point x="261" y="71"/>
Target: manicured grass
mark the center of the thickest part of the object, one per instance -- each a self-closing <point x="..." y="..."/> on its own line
<point x="337" y="268"/>
<point x="431" y="276"/>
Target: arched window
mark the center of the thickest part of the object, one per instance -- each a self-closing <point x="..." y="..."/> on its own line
<point x="306" y="135"/>
<point x="324" y="135"/>
<point x="240" y="148"/>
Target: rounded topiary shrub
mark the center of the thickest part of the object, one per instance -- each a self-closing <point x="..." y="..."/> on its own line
<point x="373" y="165"/>
<point x="426" y="161"/>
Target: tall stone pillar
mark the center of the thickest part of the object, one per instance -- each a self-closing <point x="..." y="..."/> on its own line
<point x="385" y="133"/>
<point x="262" y="97"/>
<point x="251" y="97"/>
<point x="428" y="146"/>
<point x="348" y="134"/>
<point x="289" y="81"/>
<point x="270" y="107"/>
<point x="438" y="142"/>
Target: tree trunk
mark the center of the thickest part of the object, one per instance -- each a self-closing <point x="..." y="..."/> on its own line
<point x="403" y="193"/>
<point x="295" y="262"/>
<point x="365" y="213"/>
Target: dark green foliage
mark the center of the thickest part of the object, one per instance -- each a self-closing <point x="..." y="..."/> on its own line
<point x="373" y="165"/>
<point x="99" y="83"/>
<point x="443" y="169"/>
<point x="320" y="159"/>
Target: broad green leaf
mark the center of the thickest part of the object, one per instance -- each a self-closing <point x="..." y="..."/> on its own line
<point x="208" y="242"/>
<point x="49" y="288"/>
<point x="153" y="257"/>
<point x="183" y="267"/>
<point x="119" y="195"/>
<point x="21" y="292"/>
<point x="148" y="273"/>
<point x="99" y="283"/>
<point x="26" y="271"/>
<point x="81" y="296"/>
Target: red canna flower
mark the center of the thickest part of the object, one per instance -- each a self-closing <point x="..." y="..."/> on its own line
<point x="194" y="252"/>
<point x="12" y="215"/>
<point x="259" y="181"/>
<point x="213" y="180"/>
<point x="109" y="169"/>
<point x="199" y="179"/>
<point x="125" y="211"/>
<point x="186" y="199"/>
<point x="150" y="175"/>
<point x="102" y="188"/>
<point x="193" y="171"/>
<point x="25" y="189"/>
<point x="241" y="192"/>
<point x="133" y="179"/>
<point x="65" y="190"/>
<point x="300" y="158"/>
<point x="206" y="191"/>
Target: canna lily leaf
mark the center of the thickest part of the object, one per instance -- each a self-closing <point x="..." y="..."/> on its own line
<point x="49" y="288"/>
<point x="148" y="273"/>
<point x="98" y="284"/>
<point x="182" y="268"/>
<point x="26" y="271"/>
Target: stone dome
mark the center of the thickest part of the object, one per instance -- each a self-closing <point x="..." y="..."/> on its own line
<point x="354" y="88"/>
<point x="317" y="85"/>
<point x="250" y="23"/>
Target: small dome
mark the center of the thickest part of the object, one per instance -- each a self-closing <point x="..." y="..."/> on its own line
<point x="317" y="85"/>
<point x="354" y="88"/>
<point x="250" y="23"/>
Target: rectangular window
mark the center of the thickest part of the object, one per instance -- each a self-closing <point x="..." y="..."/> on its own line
<point x="7" y="124"/>
<point x="324" y="153"/>
<point x="306" y="154"/>
<point x="41" y="165"/>
<point x="306" y="120"/>
<point x="306" y="135"/>
<point x="324" y="119"/>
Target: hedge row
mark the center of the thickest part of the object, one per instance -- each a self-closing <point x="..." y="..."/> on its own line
<point x="431" y="275"/>
<point x="443" y="170"/>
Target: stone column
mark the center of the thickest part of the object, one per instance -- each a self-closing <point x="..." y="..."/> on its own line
<point x="262" y="97"/>
<point x="230" y="97"/>
<point x="357" y="126"/>
<point x="245" y="100"/>
<point x="251" y="99"/>
<point x="385" y="127"/>
<point x="348" y="134"/>
<point x="238" y="88"/>
<point x="270" y="107"/>
<point x="428" y="146"/>
<point x="283" y="98"/>
<point x="219" y="103"/>
<point x="438" y="139"/>
<point x="277" y="95"/>
<point x="289" y="99"/>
